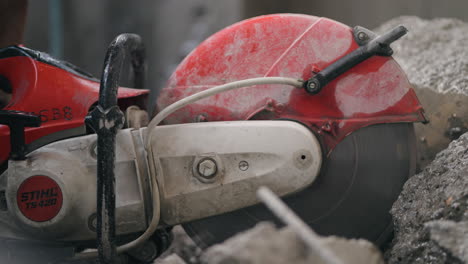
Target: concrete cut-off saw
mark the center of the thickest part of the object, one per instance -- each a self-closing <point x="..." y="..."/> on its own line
<point x="316" y="111"/>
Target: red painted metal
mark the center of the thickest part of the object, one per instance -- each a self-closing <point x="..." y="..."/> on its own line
<point x="62" y="99"/>
<point x="289" y="45"/>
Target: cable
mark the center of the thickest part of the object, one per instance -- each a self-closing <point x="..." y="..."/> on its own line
<point x="212" y="91"/>
<point x="149" y="231"/>
<point x="160" y="117"/>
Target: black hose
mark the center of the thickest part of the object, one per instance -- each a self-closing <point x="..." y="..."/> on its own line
<point x="122" y="46"/>
<point x="106" y="119"/>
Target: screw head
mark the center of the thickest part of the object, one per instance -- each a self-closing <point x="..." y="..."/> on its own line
<point x="207" y="168"/>
<point x="243" y="165"/>
<point x="362" y="36"/>
<point x="312" y="85"/>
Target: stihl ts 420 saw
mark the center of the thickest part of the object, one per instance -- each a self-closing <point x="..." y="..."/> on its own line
<point x="316" y="111"/>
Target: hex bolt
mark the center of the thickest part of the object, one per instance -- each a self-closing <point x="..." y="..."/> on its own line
<point x="207" y="168"/>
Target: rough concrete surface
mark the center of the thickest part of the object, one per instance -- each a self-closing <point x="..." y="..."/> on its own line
<point x="451" y="235"/>
<point x="266" y="244"/>
<point x="433" y="53"/>
<point x="439" y="192"/>
<point x="433" y="203"/>
<point x="171" y="259"/>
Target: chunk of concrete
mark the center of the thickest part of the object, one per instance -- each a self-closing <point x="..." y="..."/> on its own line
<point x="452" y="236"/>
<point x="439" y="192"/>
<point x="171" y="259"/>
<point x="266" y="244"/>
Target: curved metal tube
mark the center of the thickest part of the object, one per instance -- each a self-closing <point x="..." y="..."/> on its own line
<point x="122" y="46"/>
<point x="106" y="119"/>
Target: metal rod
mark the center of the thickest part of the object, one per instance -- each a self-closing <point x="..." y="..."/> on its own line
<point x="282" y="211"/>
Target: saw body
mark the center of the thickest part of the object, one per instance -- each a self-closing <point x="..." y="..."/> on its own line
<point x="373" y="92"/>
<point x="316" y="111"/>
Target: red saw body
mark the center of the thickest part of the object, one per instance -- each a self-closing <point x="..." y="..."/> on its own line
<point x="56" y="91"/>
<point x="368" y="110"/>
<point x="373" y="92"/>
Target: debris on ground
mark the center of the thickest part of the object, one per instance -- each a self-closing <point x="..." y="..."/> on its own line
<point x="182" y="246"/>
<point x="171" y="259"/>
<point x="452" y="236"/>
<point x="439" y="192"/>
<point x="433" y="205"/>
<point x="266" y="244"/>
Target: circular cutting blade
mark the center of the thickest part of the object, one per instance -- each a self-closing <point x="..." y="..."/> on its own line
<point x="351" y="197"/>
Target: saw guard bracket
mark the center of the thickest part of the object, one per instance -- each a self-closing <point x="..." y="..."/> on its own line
<point x="369" y="47"/>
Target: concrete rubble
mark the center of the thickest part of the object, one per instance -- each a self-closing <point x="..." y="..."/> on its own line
<point x="432" y="206"/>
<point x="434" y="56"/>
<point x="266" y="244"/>
<point x="452" y="236"/>
<point x="431" y="213"/>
